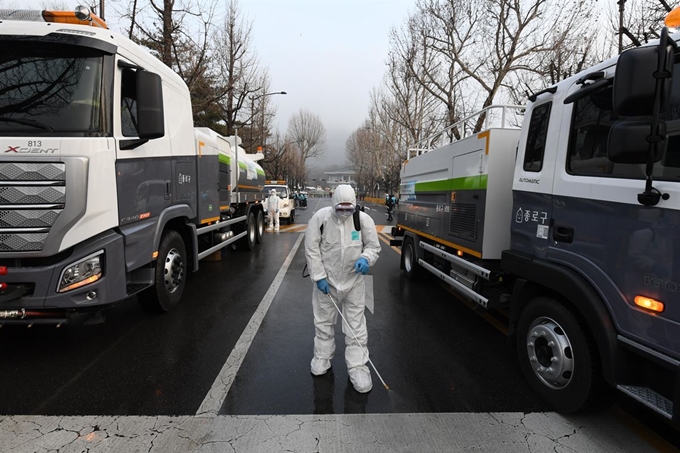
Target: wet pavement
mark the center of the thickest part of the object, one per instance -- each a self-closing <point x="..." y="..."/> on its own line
<point x="435" y="353"/>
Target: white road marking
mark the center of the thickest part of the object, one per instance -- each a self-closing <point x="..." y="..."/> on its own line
<point x="370" y="299"/>
<point x="218" y="392"/>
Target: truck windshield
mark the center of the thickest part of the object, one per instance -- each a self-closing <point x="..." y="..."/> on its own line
<point x="280" y="191"/>
<point x="47" y="90"/>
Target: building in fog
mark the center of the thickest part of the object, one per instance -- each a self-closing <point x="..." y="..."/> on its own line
<point x="335" y="178"/>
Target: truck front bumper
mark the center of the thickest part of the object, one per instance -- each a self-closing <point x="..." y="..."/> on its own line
<point x="33" y="283"/>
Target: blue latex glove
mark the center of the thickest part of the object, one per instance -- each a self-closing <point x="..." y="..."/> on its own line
<point x="323" y="286"/>
<point x="361" y="265"/>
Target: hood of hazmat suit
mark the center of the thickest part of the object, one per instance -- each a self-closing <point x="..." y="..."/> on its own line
<point x="333" y="253"/>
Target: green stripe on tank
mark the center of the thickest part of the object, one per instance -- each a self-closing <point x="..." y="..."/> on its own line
<point x="444" y="185"/>
<point x="227" y="160"/>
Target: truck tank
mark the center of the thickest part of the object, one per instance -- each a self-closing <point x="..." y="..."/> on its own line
<point x="244" y="186"/>
<point x="251" y="176"/>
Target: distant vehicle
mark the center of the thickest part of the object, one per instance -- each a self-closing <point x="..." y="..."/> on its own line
<point x="286" y="202"/>
<point x="570" y="224"/>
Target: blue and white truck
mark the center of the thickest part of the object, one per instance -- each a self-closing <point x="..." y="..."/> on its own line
<point x="106" y="188"/>
<point x="570" y="223"/>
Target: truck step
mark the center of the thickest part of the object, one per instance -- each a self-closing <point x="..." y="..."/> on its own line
<point x="649" y="398"/>
<point x="134" y="288"/>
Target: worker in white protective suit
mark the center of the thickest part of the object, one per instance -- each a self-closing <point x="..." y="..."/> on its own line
<point x="338" y="257"/>
<point x="273" y="208"/>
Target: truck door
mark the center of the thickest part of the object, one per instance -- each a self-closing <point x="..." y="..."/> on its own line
<point x="532" y="187"/>
<point x="601" y="231"/>
<point x="142" y="169"/>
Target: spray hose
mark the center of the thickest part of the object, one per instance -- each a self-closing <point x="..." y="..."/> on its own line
<point x="357" y="340"/>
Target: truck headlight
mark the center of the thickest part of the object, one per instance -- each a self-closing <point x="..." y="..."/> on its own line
<point x="81" y="273"/>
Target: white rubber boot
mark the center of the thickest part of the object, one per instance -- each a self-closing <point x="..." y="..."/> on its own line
<point x="360" y="377"/>
<point x="320" y="366"/>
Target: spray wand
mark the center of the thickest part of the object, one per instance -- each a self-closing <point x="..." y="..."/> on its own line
<point x="357" y="340"/>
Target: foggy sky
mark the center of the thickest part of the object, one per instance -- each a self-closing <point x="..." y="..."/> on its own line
<point x="326" y="54"/>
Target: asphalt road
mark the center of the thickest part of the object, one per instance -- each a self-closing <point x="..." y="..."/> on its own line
<point x="435" y="353"/>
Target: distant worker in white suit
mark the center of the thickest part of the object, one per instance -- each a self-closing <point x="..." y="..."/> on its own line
<point x="273" y="208"/>
<point x="339" y="255"/>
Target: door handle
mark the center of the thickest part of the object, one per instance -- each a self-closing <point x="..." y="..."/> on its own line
<point x="563" y="234"/>
<point x="168" y="192"/>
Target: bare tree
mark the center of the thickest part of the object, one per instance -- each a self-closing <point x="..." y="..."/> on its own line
<point x="308" y="133"/>
<point x="261" y="115"/>
<point x="637" y="21"/>
<point x="217" y="62"/>
<point x="283" y="161"/>
<point x="54" y="5"/>
<point x="406" y="100"/>
<point x="239" y="67"/>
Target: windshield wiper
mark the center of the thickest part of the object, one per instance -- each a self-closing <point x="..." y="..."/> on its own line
<point x="27" y="122"/>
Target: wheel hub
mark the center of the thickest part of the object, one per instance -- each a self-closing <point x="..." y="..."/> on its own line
<point x="550" y="353"/>
<point x="173" y="270"/>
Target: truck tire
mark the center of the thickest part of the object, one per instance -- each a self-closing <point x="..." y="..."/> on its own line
<point x="250" y="239"/>
<point x="169" y="276"/>
<point x="410" y="259"/>
<point x="260" y="226"/>
<point x="291" y="219"/>
<point x="556" y="356"/>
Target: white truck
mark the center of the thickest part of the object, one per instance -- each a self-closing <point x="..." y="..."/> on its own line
<point x="570" y="224"/>
<point x="106" y="188"/>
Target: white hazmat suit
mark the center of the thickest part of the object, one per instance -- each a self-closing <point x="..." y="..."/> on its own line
<point x="332" y="255"/>
<point x="273" y="208"/>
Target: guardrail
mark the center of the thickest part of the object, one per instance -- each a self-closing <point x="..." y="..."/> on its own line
<point x="466" y="127"/>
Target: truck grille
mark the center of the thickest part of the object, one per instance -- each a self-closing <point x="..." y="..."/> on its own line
<point x="32" y="195"/>
<point x="464" y="220"/>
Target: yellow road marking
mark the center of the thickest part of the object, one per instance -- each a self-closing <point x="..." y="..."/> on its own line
<point x="386" y="239"/>
<point x="296" y="228"/>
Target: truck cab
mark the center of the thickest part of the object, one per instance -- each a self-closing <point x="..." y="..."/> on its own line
<point x="616" y="258"/>
<point x="106" y="189"/>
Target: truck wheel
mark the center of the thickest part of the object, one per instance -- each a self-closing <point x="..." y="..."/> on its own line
<point x="169" y="276"/>
<point x="291" y="219"/>
<point x="410" y="258"/>
<point x="260" y="226"/>
<point x="556" y="356"/>
<point x="248" y="242"/>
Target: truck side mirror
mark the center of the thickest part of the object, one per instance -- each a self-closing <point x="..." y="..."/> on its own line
<point x="628" y="142"/>
<point x="637" y="72"/>
<point x="150" y="117"/>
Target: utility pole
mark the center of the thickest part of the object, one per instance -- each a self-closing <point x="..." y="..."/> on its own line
<point x="622" y="7"/>
<point x="252" y="116"/>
